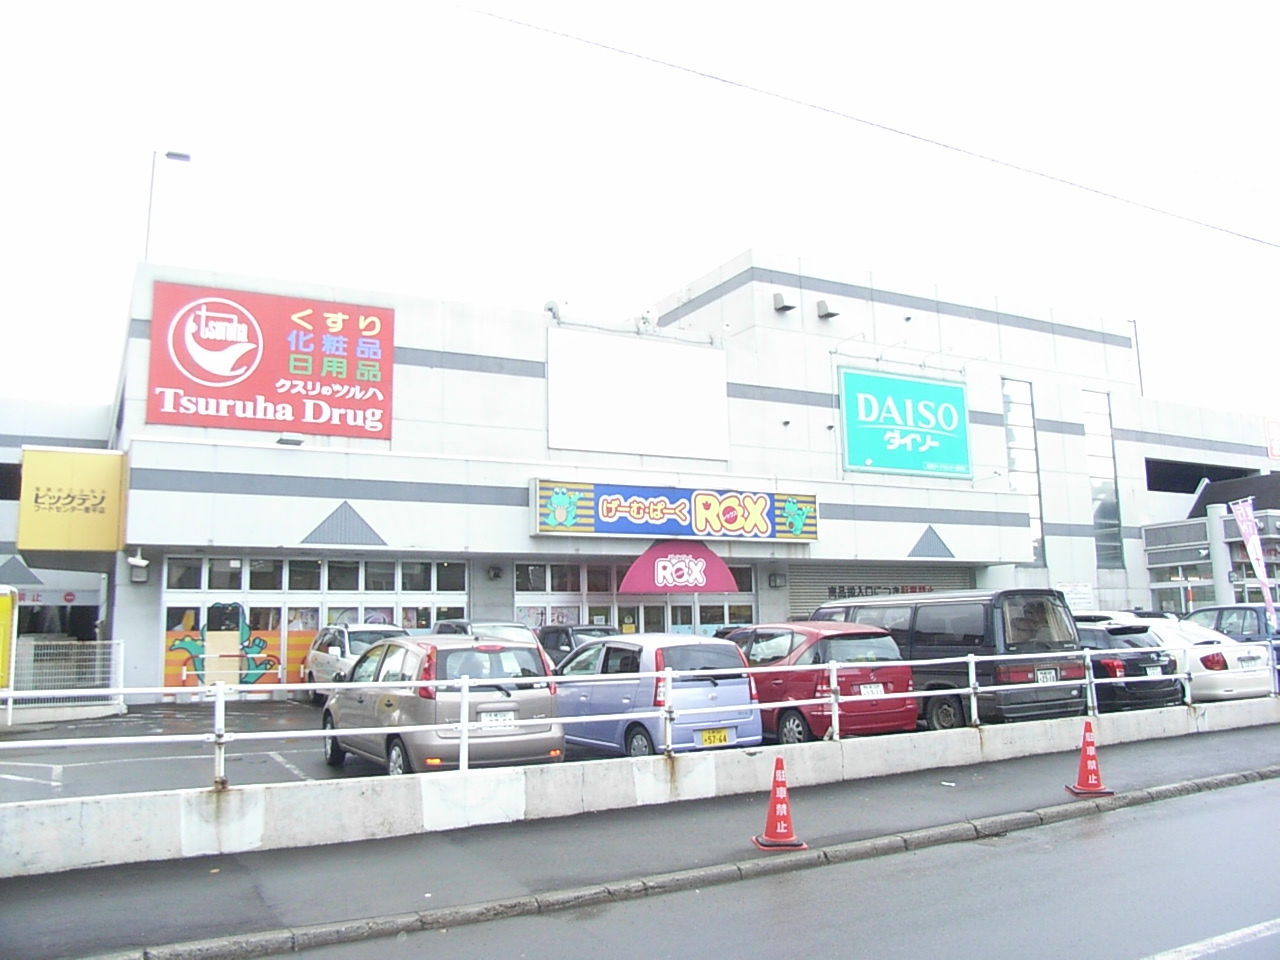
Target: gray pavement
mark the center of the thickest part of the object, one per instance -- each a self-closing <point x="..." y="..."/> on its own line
<point x="256" y="904"/>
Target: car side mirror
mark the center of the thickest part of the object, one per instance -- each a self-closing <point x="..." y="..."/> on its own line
<point x="339" y="677"/>
<point x="565" y="646"/>
<point x="335" y="651"/>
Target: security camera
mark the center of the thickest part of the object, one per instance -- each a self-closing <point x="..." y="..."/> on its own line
<point x="137" y="562"/>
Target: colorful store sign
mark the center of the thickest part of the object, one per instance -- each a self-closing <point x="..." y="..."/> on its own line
<point x="614" y="510"/>
<point x="255" y="361"/>
<point x="8" y="631"/>
<point x="71" y="500"/>
<point x="678" y="566"/>
<point x="908" y="425"/>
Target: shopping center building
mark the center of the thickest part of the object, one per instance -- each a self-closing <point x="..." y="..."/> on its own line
<point x="285" y="455"/>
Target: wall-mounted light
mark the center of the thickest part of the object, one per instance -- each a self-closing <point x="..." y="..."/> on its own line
<point x="289" y="439"/>
<point x="777" y="579"/>
<point x="825" y="312"/>
<point x="495" y="573"/>
<point x="139" y="567"/>
<point x="780" y="303"/>
<point x="831" y="426"/>
<point x="786" y="423"/>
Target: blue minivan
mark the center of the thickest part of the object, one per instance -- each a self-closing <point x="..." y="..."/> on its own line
<point x="602" y="679"/>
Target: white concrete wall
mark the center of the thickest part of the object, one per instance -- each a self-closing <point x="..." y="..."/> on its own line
<point x="53" y="835"/>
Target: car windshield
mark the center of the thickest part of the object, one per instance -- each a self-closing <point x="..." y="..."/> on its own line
<point x="362" y="640"/>
<point x="702" y="656"/>
<point x="502" y="663"/>
<point x="1037" y="622"/>
<point x="596" y="631"/>
<point x="852" y="649"/>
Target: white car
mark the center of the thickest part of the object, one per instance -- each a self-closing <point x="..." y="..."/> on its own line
<point x="338" y="647"/>
<point x="1221" y="668"/>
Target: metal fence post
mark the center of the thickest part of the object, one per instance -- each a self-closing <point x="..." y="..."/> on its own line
<point x="835" y="702"/>
<point x="1090" y="690"/>
<point x="219" y="735"/>
<point x="668" y="713"/>
<point x="464" y="717"/>
<point x="973" y="689"/>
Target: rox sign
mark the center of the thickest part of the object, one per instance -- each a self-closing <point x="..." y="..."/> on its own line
<point x="896" y="424"/>
<point x="677" y="570"/>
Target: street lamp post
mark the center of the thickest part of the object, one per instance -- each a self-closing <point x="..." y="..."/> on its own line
<point x="151" y="190"/>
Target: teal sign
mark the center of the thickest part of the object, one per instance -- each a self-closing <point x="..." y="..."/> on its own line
<point x="895" y="424"/>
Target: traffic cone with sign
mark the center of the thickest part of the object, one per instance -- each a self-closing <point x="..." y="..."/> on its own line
<point x="1089" y="779"/>
<point x="779" y="833"/>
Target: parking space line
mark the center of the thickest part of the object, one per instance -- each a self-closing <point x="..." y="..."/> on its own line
<point x="1224" y="941"/>
<point x="287" y="765"/>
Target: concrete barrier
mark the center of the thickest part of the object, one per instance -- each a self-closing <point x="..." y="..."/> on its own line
<point x="48" y="836"/>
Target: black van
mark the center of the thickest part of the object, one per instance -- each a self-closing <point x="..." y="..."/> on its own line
<point x="985" y="623"/>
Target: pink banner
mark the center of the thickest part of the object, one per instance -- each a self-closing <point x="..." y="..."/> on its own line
<point x="1243" y="511"/>
<point x="678" y="566"/>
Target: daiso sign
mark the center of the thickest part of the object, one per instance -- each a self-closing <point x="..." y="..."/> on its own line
<point x="897" y="424"/>
<point x="253" y="361"/>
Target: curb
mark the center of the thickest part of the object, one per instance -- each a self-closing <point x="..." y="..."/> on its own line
<point x="296" y="939"/>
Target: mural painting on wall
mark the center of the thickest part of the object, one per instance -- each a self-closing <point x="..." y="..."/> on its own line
<point x="224" y="648"/>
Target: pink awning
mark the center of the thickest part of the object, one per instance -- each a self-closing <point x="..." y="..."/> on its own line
<point x="678" y="566"/>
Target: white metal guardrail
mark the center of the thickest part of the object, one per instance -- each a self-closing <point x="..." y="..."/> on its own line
<point x="219" y="693"/>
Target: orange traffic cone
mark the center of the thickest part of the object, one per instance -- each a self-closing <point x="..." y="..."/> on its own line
<point x="778" y="832"/>
<point x="1089" y="779"/>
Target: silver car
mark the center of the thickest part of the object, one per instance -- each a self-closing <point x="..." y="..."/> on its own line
<point x="336" y="648"/>
<point x="511" y="685"/>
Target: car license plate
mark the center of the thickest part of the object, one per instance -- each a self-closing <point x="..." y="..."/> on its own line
<point x="719" y="737"/>
<point x="498" y="718"/>
<point x="871" y="689"/>
<point x="1046" y="675"/>
<point x="1154" y="671"/>
<point x="1248" y="663"/>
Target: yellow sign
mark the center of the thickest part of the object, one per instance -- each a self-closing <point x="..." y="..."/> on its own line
<point x="8" y="630"/>
<point x="72" y="500"/>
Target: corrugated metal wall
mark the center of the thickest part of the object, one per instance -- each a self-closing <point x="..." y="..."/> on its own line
<point x="812" y="584"/>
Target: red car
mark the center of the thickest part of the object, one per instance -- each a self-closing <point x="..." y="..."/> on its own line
<point x="875" y="667"/>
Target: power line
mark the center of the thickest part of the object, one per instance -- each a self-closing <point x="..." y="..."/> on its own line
<point x="877" y="126"/>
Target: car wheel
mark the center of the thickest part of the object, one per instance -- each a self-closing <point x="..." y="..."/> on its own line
<point x="334" y="755"/>
<point x="397" y="758"/>
<point x="792" y="728"/>
<point x="639" y="743"/>
<point x="944" y="713"/>
<point x="317" y="697"/>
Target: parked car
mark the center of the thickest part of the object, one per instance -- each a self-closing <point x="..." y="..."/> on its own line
<point x="620" y="659"/>
<point x="336" y="648"/>
<point x="874" y="667"/>
<point x="987" y="623"/>
<point x="1221" y="668"/>
<point x="495" y="704"/>
<point x="559" y="640"/>
<point x="1126" y="651"/>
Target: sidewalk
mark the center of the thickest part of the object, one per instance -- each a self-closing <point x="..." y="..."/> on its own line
<point x="564" y="861"/>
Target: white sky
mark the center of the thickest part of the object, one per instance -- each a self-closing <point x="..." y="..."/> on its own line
<point x="430" y="149"/>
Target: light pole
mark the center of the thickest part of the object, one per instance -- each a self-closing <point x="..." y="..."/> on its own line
<point x="151" y="191"/>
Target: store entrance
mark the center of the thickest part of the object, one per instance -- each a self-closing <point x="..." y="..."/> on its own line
<point x="670" y="616"/>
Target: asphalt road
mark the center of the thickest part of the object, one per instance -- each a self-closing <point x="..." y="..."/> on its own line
<point x="1126" y="885"/>
<point x="147" y="904"/>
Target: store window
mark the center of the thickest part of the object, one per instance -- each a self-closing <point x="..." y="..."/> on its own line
<point x="412" y="618"/>
<point x="415" y="576"/>
<point x="1023" y="456"/>
<point x="380" y="576"/>
<point x="450" y="613"/>
<point x="385" y="615"/>
<point x="264" y="618"/>
<point x="185" y="619"/>
<point x="1108" y="540"/>
<point x="304" y="619"/>
<point x="531" y="577"/>
<point x="598" y="580"/>
<point x="304" y="574"/>
<point x="226" y="574"/>
<point x="344" y="574"/>
<point x="266" y="574"/>
<point x="185" y="573"/>
<point x="566" y="578"/>
<point x="451" y="577"/>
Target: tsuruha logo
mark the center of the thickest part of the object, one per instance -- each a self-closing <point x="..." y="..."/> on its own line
<point x="215" y="342"/>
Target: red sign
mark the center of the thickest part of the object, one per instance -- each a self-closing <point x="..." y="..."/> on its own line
<point x="68" y="598"/>
<point x="256" y="361"/>
<point x="678" y="566"/>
